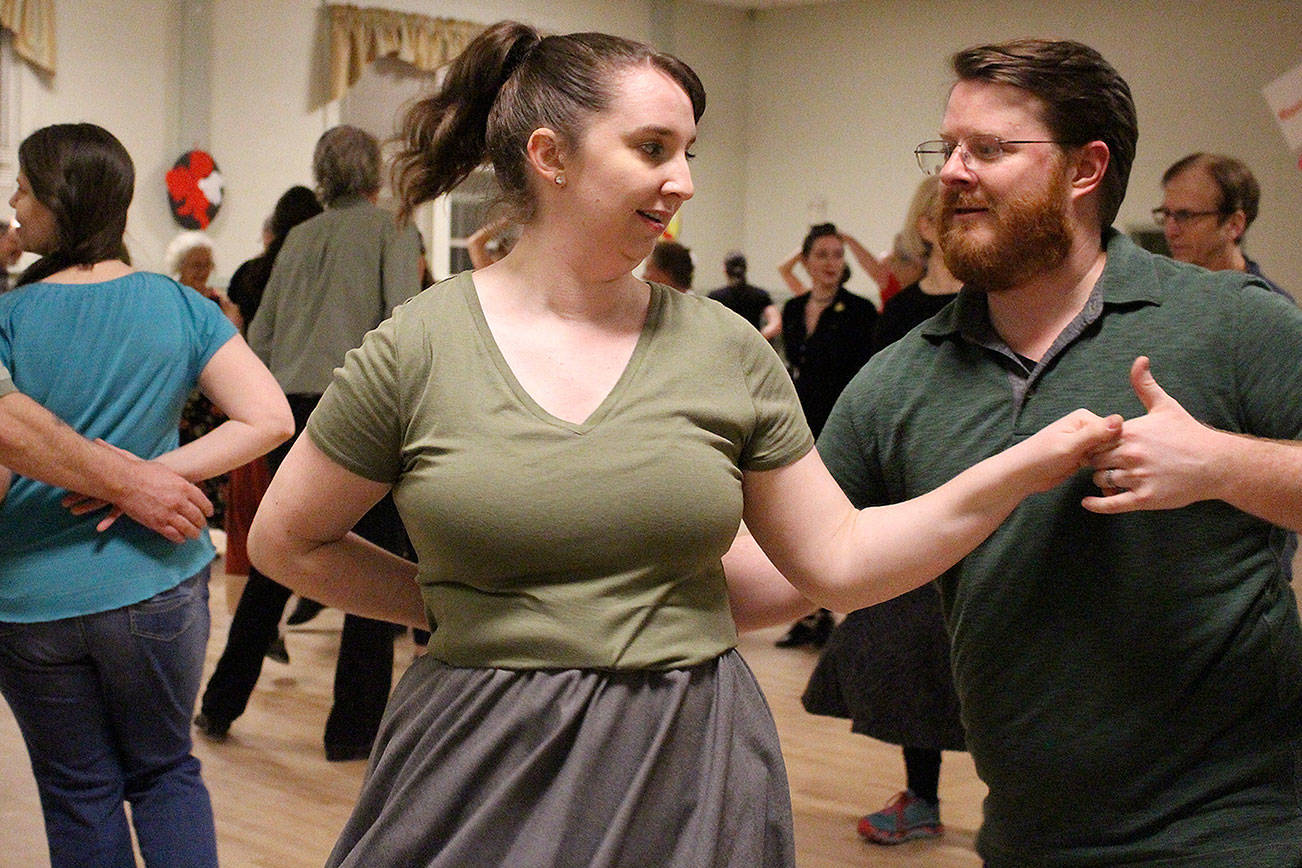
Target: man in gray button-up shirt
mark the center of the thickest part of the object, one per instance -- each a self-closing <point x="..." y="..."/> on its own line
<point x="339" y="275"/>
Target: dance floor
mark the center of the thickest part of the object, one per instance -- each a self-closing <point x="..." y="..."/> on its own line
<point x="279" y="804"/>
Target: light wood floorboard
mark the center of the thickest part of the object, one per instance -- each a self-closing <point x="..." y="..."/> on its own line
<point x="279" y="804"/>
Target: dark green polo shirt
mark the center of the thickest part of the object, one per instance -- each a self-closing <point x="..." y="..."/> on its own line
<point x="1130" y="684"/>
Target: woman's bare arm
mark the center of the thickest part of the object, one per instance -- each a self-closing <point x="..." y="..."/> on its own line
<point x="301" y="538"/>
<point x="844" y="559"/>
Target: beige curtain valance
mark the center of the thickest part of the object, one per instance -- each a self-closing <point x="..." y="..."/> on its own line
<point x="360" y="35"/>
<point x="32" y="24"/>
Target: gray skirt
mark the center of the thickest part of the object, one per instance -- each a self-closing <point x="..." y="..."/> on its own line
<point x="486" y="767"/>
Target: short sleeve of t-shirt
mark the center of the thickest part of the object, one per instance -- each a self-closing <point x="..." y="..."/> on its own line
<point x="781" y="433"/>
<point x="211" y="328"/>
<point x="1268" y="343"/>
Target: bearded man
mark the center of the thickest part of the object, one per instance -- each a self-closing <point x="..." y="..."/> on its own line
<point x="1126" y="647"/>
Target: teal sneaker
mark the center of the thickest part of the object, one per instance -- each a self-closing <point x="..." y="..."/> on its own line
<point x="904" y="818"/>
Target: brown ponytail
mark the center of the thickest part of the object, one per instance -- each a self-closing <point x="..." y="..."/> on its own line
<point x="509" y="82"/>
<point x="443" y="135"/>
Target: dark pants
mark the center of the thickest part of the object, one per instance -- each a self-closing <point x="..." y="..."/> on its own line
<point x="364" y="670"/>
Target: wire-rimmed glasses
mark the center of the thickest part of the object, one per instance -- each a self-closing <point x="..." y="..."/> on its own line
<point x="1178" y="216"/>
<point x="980" y="150"/>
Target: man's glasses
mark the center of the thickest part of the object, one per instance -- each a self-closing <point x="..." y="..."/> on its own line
<point x="981" y="150"/>
<point x="1162" y="216"/>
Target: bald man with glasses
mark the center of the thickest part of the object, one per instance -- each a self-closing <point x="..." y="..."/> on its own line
<point x="1208" y="203"/>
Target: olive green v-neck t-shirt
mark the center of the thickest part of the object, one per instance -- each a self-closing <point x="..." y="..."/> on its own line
<point x="549" y="544"/>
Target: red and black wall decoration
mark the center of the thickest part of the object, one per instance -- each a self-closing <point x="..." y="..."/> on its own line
<point x="194" y="189"/>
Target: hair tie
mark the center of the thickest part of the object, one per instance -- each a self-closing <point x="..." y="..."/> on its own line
<point x="517" y="54"/>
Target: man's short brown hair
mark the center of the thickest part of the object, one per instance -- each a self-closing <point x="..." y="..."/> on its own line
<point x="1085" y="100"/>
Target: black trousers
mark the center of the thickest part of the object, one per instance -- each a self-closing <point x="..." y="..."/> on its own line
<point x="364" y="670"/>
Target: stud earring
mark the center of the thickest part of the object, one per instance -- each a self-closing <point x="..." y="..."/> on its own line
<point x="559" y="179"/>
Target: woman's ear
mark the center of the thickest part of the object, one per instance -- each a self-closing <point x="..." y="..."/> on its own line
<point x="546" y="155"/>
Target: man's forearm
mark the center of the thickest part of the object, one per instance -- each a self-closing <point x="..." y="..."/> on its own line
<point x="1261" y="477"/>
<point x="37" y="444"/>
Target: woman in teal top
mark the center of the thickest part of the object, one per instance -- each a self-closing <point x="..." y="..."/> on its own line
<point x="103" y="623"/>
<point x="571" y="450"/>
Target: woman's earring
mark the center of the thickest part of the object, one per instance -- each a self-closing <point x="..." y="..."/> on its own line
<point x="559" y="179"/>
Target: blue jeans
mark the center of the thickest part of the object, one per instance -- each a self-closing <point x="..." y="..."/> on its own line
<point x="104" y="704"/>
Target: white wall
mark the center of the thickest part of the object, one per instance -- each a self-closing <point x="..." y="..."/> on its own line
<point x="841" y="93"/>
<point x="713" y="40"/>
<point x="813" y="111"/>
<point x="117" y="68"/>
<point x="269" y="70"/>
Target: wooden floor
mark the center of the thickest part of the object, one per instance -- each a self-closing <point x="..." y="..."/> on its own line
<point x="279" y="804"/>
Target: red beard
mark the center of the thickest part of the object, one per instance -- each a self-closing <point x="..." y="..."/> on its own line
<point x="1030" y="236"/>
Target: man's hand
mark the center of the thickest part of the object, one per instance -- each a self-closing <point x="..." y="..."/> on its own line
<point x="1164" y="459"/>
<point x="165" y="502"/>
<point x="1061" y="448"/>
<point x="153" y="495"/>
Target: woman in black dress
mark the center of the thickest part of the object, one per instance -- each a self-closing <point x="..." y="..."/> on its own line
<point x="827" y="333"/>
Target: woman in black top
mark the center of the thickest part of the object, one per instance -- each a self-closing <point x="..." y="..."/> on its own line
<point x="828" y="331"/>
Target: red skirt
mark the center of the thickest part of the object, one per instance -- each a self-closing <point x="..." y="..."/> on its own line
<point x="244" y="492"/>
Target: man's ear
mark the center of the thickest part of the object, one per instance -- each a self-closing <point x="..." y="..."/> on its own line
<point x="1089" y="167"/>
<point x="926" y="227"/>
<point x="1235" y="225"/>
<point x="546" y="154"/>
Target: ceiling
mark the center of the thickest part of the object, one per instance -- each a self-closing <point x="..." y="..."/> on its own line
<point x="767" y="4"/>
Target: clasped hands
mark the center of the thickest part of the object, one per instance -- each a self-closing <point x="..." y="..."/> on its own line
<point x="1162" y="460"/>
<point x="153" y="495"/>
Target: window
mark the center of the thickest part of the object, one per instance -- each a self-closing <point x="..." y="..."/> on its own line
<point x="376" y="102"/>
<point x="448" y="222"/>
<point x="468" y="207"/>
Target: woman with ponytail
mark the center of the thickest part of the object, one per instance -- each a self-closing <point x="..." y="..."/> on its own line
<point x="571" y="450"/>
<point x="103" y="624"/>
